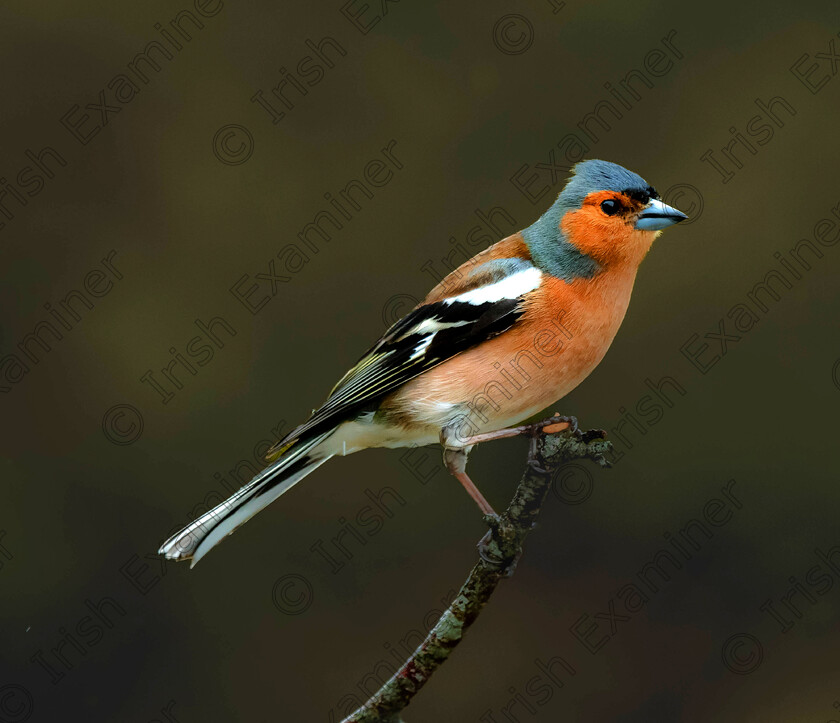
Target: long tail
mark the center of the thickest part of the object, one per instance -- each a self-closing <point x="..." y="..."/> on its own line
<point x="200" y="536"/>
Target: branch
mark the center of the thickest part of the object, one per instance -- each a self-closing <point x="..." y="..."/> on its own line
<point x="499" y="551"/>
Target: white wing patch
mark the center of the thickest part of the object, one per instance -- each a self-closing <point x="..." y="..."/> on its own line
<point x="511" y="287"/>
<point x="420" y="349"/>
<point x="428" y="336"/>
<point x="430" y="326"/>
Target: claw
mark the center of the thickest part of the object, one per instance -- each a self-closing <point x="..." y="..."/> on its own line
<point x="484" y="549"/>
<point x="492" y="521"/>
<point x="484" y="552"/>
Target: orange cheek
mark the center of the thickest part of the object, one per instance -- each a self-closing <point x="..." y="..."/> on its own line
<point x="607" y="239"/>
<point x="594" y="233"/>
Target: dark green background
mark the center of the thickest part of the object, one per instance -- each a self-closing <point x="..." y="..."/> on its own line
<point x="77" y="508"/>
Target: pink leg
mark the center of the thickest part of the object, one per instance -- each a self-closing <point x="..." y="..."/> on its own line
<point x="475" y="493"/>
<point x="455" y="457"/>
<point x="456" y="462"/>
<point x="555" y="424"/>
<point x="455" y="450"/>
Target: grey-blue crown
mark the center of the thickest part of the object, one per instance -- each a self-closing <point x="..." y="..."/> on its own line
<point x="595" y="175"/>
<point x="550" y="249"/>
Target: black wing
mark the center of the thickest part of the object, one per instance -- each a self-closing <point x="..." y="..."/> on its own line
<point x="427" y="336"/>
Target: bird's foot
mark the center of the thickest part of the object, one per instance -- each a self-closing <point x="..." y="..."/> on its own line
<point x="553" y="425"/>
<point x="557" y="423"/>
<point x="489" y="550"/>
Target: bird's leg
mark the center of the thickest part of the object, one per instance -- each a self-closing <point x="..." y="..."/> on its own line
<point x="455" y="450"/>
<point x="455" y="459"/>
<point x="456" y="462"/>
<point x="552" y="425"/>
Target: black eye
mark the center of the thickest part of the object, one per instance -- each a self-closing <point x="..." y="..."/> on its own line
<point x="610" y="207"/>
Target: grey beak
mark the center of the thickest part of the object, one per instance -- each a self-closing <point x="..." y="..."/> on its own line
<point x="657" y="216"/>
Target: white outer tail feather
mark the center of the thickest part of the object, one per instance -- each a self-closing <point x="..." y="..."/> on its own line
<point x="200" y="536"/>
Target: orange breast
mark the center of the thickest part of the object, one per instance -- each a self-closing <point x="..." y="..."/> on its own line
<point x="562" y="336"/>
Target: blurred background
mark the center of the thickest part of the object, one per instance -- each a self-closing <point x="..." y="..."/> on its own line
<point x="152" y="215"/>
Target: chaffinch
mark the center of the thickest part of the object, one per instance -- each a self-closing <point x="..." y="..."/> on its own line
<point x="506" y="334"/>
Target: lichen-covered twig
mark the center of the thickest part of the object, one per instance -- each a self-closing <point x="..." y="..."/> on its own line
<point x="499" y="550"/>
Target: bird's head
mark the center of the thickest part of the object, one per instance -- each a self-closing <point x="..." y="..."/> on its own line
<point x="605" y="215"/>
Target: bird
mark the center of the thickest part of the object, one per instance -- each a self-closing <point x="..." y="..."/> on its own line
<point x="500" y="338"/>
